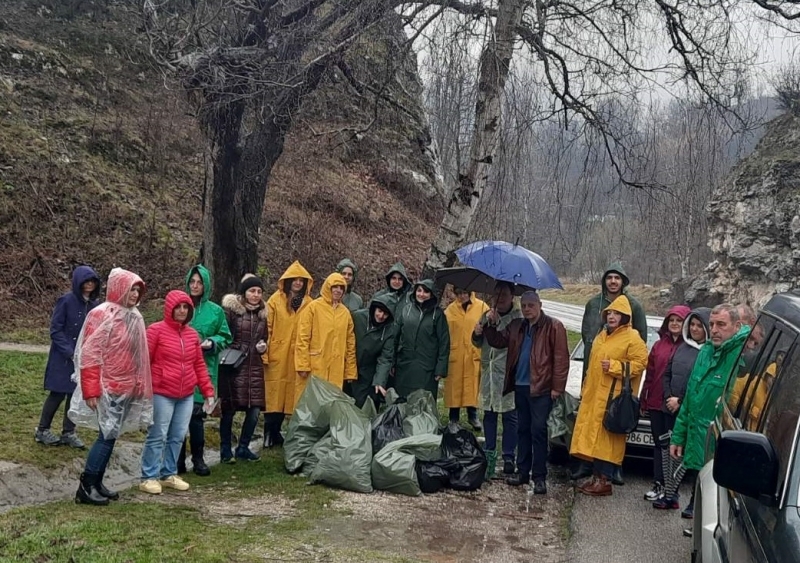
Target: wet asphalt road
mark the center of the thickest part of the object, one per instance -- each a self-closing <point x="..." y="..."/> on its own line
<point x="624" y="528"/>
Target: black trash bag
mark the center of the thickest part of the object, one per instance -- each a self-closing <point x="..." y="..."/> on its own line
<point x="387" y="427"/>
<point x="433" y="476"/>
<point x="461" y="446"/>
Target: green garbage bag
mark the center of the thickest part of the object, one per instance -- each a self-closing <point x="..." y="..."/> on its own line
<point x="421" y="414"/>
<point x="561" y="422"/>
<point x="310" y="421"/>
<point x="343" y="457"/>
<point x="369" y="409"/>
<point x="391" y="396"/>
<point x="393" y="468"/>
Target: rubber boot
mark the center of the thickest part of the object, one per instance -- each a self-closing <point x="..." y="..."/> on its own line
<point x="491" y="463"/>
<point x="87" y="492"/>
<point x="198" y="463"/>
<point x="181" y="461"/>
<point x="101" y="488"/>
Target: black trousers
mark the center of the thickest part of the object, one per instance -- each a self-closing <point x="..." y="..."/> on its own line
<point x="50" y="408"/>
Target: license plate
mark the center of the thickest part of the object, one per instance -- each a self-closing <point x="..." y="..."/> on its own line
<point x="640" y="439"/>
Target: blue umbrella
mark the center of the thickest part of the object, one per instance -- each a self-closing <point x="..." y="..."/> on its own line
<point x="509" y="262"/>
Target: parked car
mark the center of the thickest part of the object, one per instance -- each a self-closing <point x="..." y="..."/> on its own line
<point x="640" y="441"/>
<point x="747" y="496"/>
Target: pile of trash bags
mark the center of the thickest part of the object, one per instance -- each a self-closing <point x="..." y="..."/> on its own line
<point x="402" y="450"/>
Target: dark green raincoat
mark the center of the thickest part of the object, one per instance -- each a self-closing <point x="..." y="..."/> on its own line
<point x="423" y="344"/>
<point x="210" y="322"/>
<point x="395" y="296"/>
<point x="592" y="315"/>
<point x="351" y="299"/>
<point x="375" y="345"/>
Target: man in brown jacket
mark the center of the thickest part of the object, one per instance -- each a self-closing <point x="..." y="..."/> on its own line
<point x="536" y="370"/>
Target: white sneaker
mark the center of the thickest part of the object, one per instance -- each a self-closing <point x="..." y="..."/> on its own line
<point x="655" y="493"/>
<point x="175" y="482"/>
<point x="150" y="486"/>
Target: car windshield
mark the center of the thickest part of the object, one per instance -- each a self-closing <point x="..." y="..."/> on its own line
<point x="652" y="338"/>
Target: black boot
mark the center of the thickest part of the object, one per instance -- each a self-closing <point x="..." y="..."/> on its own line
<point x="101" y="488"/>
<point x="181" y="461"/>
<point x="87" y="491"/>
<point x="198" y="463"/>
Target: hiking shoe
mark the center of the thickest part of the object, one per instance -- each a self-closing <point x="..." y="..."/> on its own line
<point x="688" y="512"/>
<point x="175" y="482"/>
<point x="666" y="504"/>
<point x="517" y="480"/>
<point x="246" y="455"/>
<point x="508" y="467"/>
<point x="655" y="493"/>
<point x="47" y="437"/>
<point x="150" y="486"/>
<point x="71" y="439"/>
<point x="540" y="487"/>
<point x="476" y="424"/>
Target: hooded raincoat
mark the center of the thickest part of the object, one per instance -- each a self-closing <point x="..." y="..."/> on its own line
<point x="712" y="370"/>
<point x="593" y="320"/>
<point x="397" y="297"/>
<point x="210" y="323"/>
<point x="243" y="388"/>
<point x="176" y="359"/>
<point x="679" y="368"/>
<point x="65" y="326"/>
<point x="326" y="344"/>
<point x="351" y="299"/>
<point x="652" y="397"/>
<point x="375" y="345"/>
<point x="493" y="368"/>
<point x="113" y="364"/>
<point x="280" y="373"/>
<point x="590" y="439"/>
<point x="423" y="344"/>
<point x="464" y="369"/>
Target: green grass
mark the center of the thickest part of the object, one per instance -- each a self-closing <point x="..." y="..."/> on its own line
<point x="26" y="335"/>
<point x="572" y="339"/>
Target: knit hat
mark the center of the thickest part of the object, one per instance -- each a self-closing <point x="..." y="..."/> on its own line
<point x="250" y="281"/>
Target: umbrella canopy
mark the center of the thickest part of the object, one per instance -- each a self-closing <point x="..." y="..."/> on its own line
<point x="509" y="262"/>
<point x="471" y="279"/>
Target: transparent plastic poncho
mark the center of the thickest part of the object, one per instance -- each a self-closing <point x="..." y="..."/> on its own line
<point x="113" y="343"/>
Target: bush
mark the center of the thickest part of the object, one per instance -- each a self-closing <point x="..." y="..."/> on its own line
<point x="787" y="87"/>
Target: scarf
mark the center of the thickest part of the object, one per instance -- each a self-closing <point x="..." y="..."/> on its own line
<point x="296" y="301"/>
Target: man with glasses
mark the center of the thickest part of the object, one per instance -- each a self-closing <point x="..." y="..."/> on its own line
<point x="536" y="371"/>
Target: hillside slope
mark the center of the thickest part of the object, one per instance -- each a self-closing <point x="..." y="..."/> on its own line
<point x="100" y="163"/>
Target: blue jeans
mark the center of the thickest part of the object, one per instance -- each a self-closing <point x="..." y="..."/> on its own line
<point x="99" y="454"/>
<point x="170" y="424"/>
<point x="605" y="468"/>
<point x="509" y="432"/>
<point x="532" y="413"/>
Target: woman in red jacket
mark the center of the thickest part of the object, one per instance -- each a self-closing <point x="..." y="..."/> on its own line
<point x="177" y="365"/>
<point x="113" y="374"/>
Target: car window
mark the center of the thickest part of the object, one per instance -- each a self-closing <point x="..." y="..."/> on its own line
<point x="746" y="380"/>
<point x="652" y="337"/>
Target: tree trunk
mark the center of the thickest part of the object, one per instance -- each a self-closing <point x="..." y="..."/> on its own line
<point x="492" y="74"/>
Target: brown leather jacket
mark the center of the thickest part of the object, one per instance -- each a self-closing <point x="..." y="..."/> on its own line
<point x="549" y="354"/>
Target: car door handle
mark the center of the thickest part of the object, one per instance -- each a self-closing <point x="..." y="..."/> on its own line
<point x="736" y="506"/>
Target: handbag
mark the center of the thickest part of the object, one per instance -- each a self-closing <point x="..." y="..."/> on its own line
<point x="622" y="412"/>
<point x="231" y="358"/>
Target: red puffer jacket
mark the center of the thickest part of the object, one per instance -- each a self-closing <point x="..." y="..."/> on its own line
<point x="176" y="359"/>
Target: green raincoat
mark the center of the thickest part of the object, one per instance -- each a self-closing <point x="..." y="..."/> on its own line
<point x="210" y="322"/>
<point x="592" y="315"/>
<point x="423" y="345"/>
<point x="493" y="368"/>
<point x="710" y="375"/>
<point x="351" y="299"/>
<point x="395" y="296"/>
<point x="375" y="346"/>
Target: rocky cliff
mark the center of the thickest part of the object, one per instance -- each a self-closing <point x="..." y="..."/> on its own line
<point x="754" y="223"/>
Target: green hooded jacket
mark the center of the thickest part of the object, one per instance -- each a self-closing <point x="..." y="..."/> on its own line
<point x="395" y="296"/>
<point x="375" y="345"/>
<point x="592" y="314"/>
<point x="351" y="299"/>
<point x="710" y="375"/>
<point x="210" y="322"/>
<point x="423" y="344"/>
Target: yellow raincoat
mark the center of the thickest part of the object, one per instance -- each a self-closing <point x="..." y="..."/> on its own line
<point x="464" y="370"/>
<point x="326" y="343"/>
<point x="590" y="439"/>
<point x="757" y="392"/>
<point x="280" y="372"/>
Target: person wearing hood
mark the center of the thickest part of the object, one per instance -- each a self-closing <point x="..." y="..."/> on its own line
<point x="652" y="395"/>
<point x="464" y="369"/>
<point x="349" y="271"/>
<point x="326" y="344"/>
<point x="617" y="344"/>
<point x="695" y="332"/>
<point x="283" y="309"/>
<point x="242" y="388"/>
<point x="398" y="287"/>
<point x="716" y="362"/>
<point x="65" y="326"/>
<point x="209" y="320"/>
<point x="114" y="383"/>
<point x="493" y="399"/>
<point x="375" y="333"/>
<point x="423" y="342"/>
<point x="177" y="366"/>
